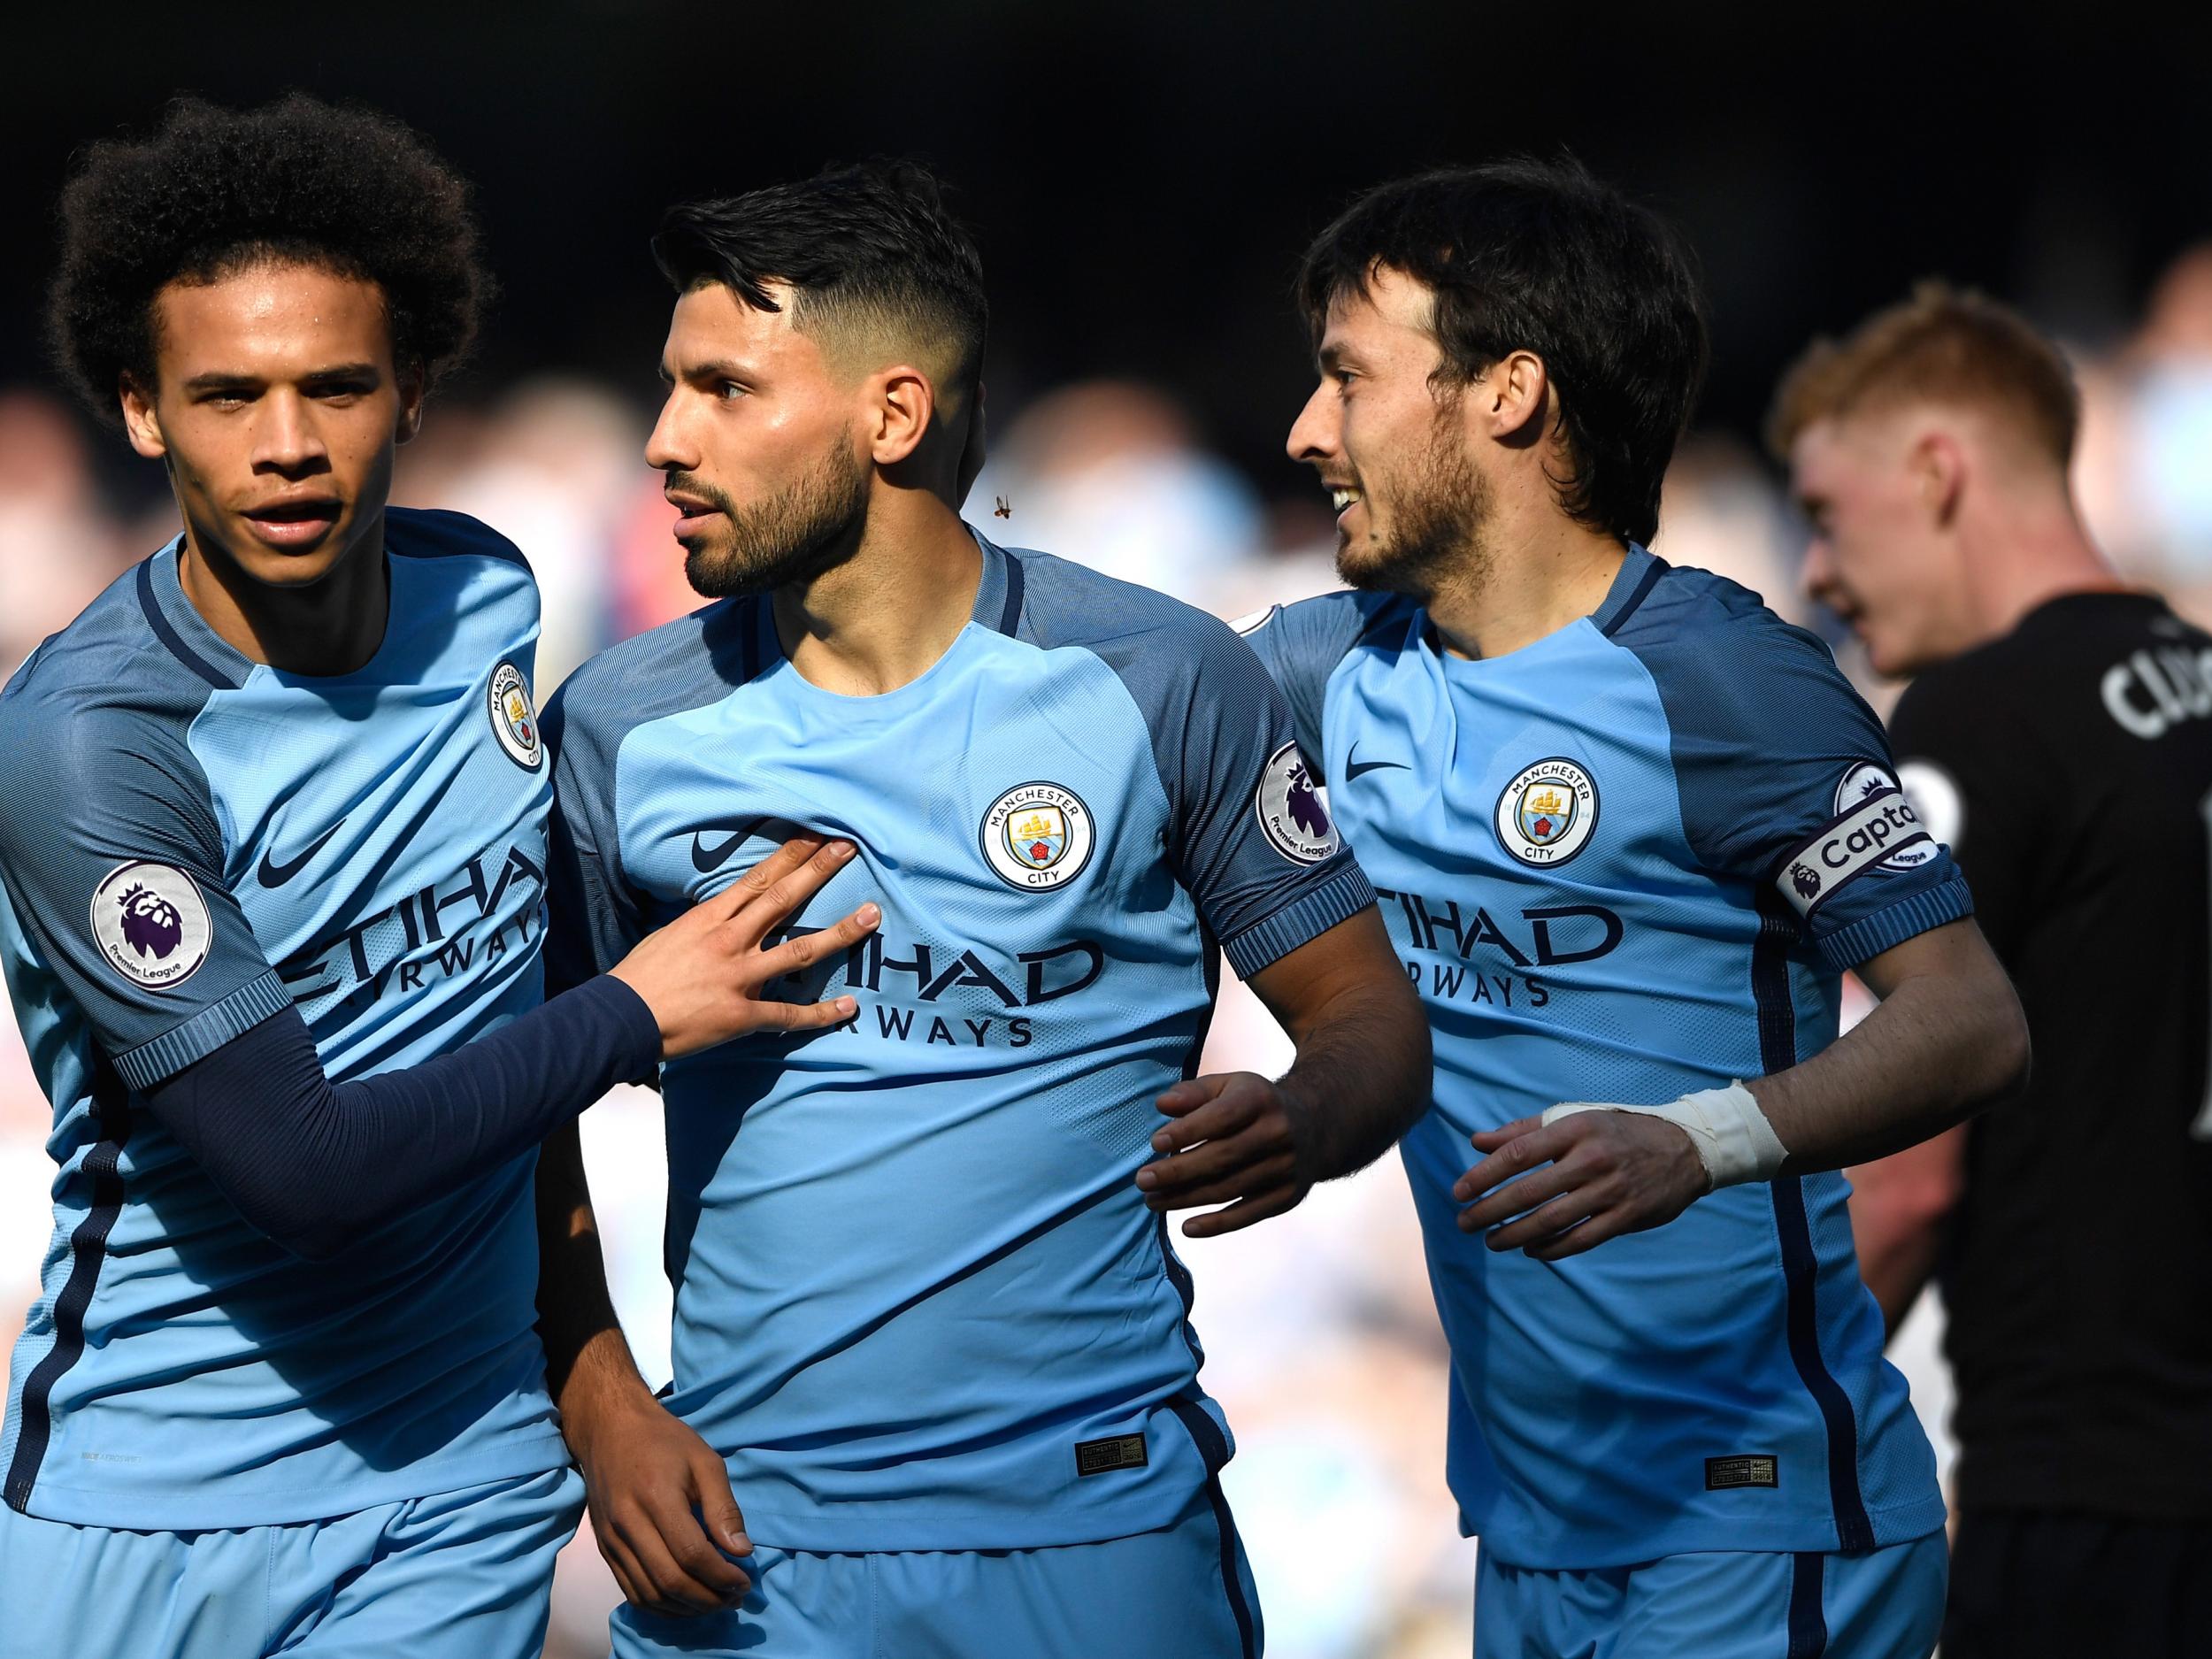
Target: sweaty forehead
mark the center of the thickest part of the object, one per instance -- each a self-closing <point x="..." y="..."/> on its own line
<point x="268" y="314"/>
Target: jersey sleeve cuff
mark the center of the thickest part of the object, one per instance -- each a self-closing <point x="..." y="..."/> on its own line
<point x="1870" y="936"/>
<point x="1341" y="897"/>
<point x="151" y="1062"/>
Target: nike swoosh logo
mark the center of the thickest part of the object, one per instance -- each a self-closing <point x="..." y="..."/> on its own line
<point x="1354" y="767"/>
<point x="705" y="858"/>
<point x="272" y="874"/>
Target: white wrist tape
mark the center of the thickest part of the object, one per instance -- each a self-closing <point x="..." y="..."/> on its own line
<point x="1734" y="1139"/>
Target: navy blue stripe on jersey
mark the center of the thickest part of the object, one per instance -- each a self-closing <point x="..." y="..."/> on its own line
<point x="1010" y="617"/>
<point x="1213" y="1447"/>
<point x="1801" y="1268"/>
<point x="1232" y="1584"/>
<point x="474" y="540"/>
<point x="1608" y="626"/>
<point x="87" y="1249"/>
<point x="1801" y="1264"/>
<point x="166" y="633"/>
<point x="1807" y="1627"/>
<point x="1776" y="1012"/>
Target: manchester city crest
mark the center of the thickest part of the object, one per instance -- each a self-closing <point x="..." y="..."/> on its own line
<point x="514" y="722"/>
<point x="1037" y="836"/>
<point x="1546" y="813"/>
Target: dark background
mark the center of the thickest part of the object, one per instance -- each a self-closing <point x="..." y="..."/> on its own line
<point x="1143" y="176"/>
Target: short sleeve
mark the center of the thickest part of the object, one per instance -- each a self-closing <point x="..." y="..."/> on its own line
<point x="1300" y="645"/>
<point x="595" y="918"/>
<point x="1249" y="830"/>
<point x="1786" y="780"/>
<point x="1979" y="784"/>
<point x="114" y="863"/>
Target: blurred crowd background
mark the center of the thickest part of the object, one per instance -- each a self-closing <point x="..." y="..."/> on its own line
<point x="1140" y="187"/>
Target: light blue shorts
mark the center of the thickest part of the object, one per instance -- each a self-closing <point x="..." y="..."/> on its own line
<point x="1184" y="1592"/>
<point x="1884" y="1603"/>
<point x="464" y="1575"/>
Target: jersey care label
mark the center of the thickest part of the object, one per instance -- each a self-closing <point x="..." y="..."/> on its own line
<point x="1746" y="1468"/>
<point x="1121" y="1451"/>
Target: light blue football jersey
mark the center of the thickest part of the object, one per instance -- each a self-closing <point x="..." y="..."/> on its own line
<point x="920" y="1303"/>
<point x="1628" y="861"/>
<point x="188" y="841"/>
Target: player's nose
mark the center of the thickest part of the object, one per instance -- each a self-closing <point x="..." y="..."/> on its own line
<point x="285" y="440"/>
<point x="1313" y="435"/>
<point x="666" y="449"/>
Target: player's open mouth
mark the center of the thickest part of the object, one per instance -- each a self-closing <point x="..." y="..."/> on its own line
<point x="1344" y="499"/>
<point x="300" y="522"/>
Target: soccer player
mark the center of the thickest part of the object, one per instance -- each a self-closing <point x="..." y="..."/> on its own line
<point x="928" y="1324"/>
<point x="1629" y="829"/>
<point x="2058" y="734"/>
<point x="272" y="898"/>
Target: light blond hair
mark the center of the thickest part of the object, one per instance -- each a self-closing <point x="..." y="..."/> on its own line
<point x="1944" y="345"/>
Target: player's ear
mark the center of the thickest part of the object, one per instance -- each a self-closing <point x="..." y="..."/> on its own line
<point x="413" y="383"/>
<point x="1938" y="467"/>
<point x="905" y="404"/>
<point x="1516" y="397"/>
<point x="139" y="422"/>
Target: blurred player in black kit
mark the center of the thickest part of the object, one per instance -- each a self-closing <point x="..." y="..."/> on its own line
<point x="2058" y="735"/>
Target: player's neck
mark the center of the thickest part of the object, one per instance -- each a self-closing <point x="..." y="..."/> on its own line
<point x="1541" y="575"/>
<point x="2024" y="563"/>
<point x="881" y="619"/>
<point x="334" y="626"/>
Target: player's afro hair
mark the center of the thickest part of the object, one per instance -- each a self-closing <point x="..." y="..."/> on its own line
<point x="215" y="191"/>
<point x="1541" y="256"/>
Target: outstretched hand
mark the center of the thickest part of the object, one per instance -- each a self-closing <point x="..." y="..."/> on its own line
<point x="1234" y="1141"/>
<point x="702" y="975"/>
<point x="1590" y="1176"/>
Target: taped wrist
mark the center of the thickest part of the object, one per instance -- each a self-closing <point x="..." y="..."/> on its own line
<point x="1734" y="1139"/>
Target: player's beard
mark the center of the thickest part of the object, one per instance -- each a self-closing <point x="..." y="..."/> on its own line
<point x="1440" y="509"/>
<point x="793" y="537"/>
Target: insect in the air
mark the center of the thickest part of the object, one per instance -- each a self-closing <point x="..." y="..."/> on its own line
<point x="1002" y="509"/>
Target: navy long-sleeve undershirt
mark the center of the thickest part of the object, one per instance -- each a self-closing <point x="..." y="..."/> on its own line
<point x="314" y="1164"/>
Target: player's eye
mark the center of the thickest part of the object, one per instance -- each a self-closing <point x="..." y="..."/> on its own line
<point x="728" y="391"/>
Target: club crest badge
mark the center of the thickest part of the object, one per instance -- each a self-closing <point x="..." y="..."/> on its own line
<point x="514" y="722"/>
<point x="151" y="923"/>
<point x="1038" y="837"/>
<point x="1546" y="813"/>
<point x="1867" y="778"/>
<point x="1293" y="811"/>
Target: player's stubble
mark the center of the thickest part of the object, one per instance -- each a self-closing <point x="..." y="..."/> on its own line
<point x="1439" y="507"/>
<point x="807" y="529"/>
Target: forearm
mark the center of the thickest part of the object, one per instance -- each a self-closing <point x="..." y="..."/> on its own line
<point x="586" y="1357"/>
<point x="1935" y="1051"/>
<point x="1361" y="1077"/>
<point x="313" y="1164"/>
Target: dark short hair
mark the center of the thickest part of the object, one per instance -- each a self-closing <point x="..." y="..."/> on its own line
<point x="866" y="243"/>
<point x="1944" y="345"/>
<point x="1541" y="256"/>
<point x="215" y="191"/>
